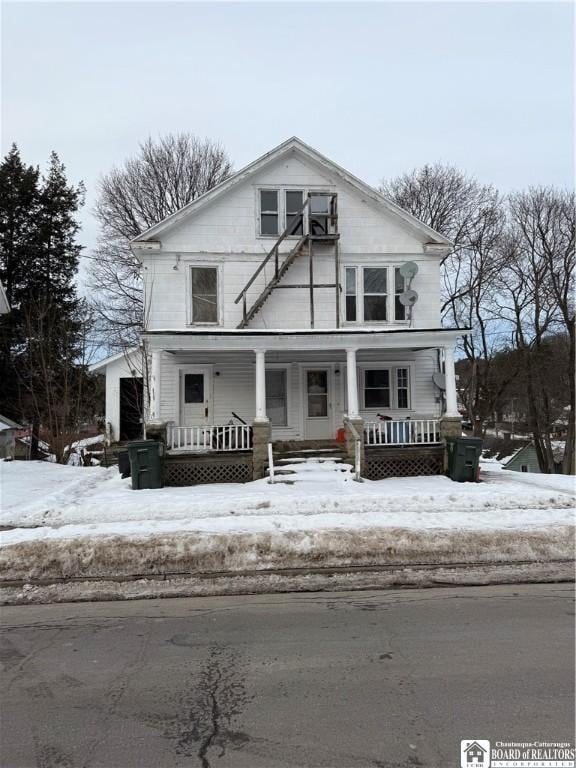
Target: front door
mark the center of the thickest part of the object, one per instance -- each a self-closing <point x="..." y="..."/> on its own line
<point x="195" y="396"/>
<point x="317" y="404"/>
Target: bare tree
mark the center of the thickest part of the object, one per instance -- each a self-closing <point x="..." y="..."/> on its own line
<point x="537" y="284"/>
<point x="57" y="393"/>
<point x="471" y="215"/>
<point x="163" y="177"/>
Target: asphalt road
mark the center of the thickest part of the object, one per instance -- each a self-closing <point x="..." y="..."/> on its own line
<point x="390" y="678"/>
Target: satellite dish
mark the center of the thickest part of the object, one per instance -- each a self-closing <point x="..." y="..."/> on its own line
<point x="439" y="379"/>
<point x="408" y="298"/>
<point x="409" y="270"/>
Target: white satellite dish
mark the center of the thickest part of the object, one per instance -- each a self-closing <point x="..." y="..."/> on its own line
<point x="439" y="379"/>
<point x="409" y="270"/>
<point x="408" y="298"/>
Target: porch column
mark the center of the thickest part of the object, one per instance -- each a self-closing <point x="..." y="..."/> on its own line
<point x="261" y="428"/>
<point x="352" y="384"/>
<point x="260" y="386"/>
<point x="155" y="370"/>
<point x="450" y="376"/>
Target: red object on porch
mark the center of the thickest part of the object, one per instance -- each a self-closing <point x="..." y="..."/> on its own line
<point x="341" y="435"/>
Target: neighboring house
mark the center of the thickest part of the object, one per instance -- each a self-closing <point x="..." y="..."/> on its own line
<point x="296" y="299"/>
<point x="124" y="394"/>
<point x="525" y="459"/>
<point x="4" y="306"/>
<point x="8" y="433"/>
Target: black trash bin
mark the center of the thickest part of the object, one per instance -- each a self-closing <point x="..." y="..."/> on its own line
<point x="124" y="464"/>
<point x="146" y="457"/>
<point x="464" y="458"/>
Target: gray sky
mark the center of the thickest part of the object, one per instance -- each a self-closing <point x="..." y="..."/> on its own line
<point x="378" y="87"/>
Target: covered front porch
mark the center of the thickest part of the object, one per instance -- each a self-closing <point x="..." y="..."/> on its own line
<point x="372" y="394"/>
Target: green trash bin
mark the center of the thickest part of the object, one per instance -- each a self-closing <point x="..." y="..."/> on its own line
<point x="146" y="457"/>
<point x="464" y="458"/>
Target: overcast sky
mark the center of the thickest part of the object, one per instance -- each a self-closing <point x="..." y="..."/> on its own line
<point x="378" y="87"/>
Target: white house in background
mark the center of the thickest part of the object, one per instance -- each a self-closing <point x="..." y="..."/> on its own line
<point x="4" y="306"/>
<point x="296" y="299"/>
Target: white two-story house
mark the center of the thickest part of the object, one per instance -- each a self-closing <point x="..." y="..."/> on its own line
<point x="293" y="304"/>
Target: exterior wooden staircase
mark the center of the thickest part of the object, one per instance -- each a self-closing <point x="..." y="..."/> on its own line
<point x="318" y="226"/>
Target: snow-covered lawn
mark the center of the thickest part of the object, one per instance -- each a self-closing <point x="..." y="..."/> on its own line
<point x="87" y="522"/>
<point x="73" y="501"/>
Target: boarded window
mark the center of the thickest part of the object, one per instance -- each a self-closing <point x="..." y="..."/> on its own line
<point x="204" y="294"/>
<point x="276" y="399"/>
<point x="268" y="212"/>
<point x="377" y="388"/>
<point x="375" y="294"/>
<point x="294" y="219"/>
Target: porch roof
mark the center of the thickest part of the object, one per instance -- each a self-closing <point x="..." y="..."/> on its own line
<point x="321" y="339"/>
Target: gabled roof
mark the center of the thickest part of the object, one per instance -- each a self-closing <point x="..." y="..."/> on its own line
<point x="6" y="423"/>
<point x="298" y="146"/>
<point x="126" y="354"/>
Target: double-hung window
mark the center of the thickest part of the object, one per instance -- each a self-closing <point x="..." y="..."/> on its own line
<point x="204" y="284"/>
<point x="375" y="285"/>
<point x="399" y="288"/>
<point x="387" y="388"/>
<point x="294" y="203"/>
<point x="372" y="294"/>
<point x="269" y="212"/>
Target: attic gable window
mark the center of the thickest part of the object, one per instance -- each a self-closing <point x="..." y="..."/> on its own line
<point x="204" y="281"/>
<point x="268" y="212"/>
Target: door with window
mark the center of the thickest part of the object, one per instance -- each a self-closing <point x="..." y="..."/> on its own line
<point x="195" y="396"/>
<point x="317" y="403"/>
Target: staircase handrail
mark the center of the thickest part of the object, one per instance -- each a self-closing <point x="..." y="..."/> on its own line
<point x="296" y="220"/>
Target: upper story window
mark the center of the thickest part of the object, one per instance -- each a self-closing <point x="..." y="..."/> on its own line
<point x="204" y="284"/>
<point x="371" y="296"/>
<point x="293" y="206"/>
<point x="399" y="288"/>
<point x="269" y="212"/>
<point x="375" y="283"/>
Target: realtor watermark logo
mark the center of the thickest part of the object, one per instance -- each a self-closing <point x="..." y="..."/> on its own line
<point x="478" y="753"/>
<point x="475" y="752"/>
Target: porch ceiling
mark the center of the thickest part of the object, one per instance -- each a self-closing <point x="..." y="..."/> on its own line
<point x="313" y="340"/>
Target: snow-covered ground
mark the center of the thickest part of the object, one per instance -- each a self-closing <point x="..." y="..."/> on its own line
<point x="69" y="502"/>
<point x="62" y="521"/>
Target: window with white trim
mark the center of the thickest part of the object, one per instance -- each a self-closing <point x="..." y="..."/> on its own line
<point x="204" y="287"/>
<point x="387" y="387"/>
<point x="370" y="296"/>
<point x="269" y="212"/>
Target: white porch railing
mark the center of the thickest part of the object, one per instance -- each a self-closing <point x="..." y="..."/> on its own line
<point x="406" y="432"/>
<point x="230" y="437"/>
